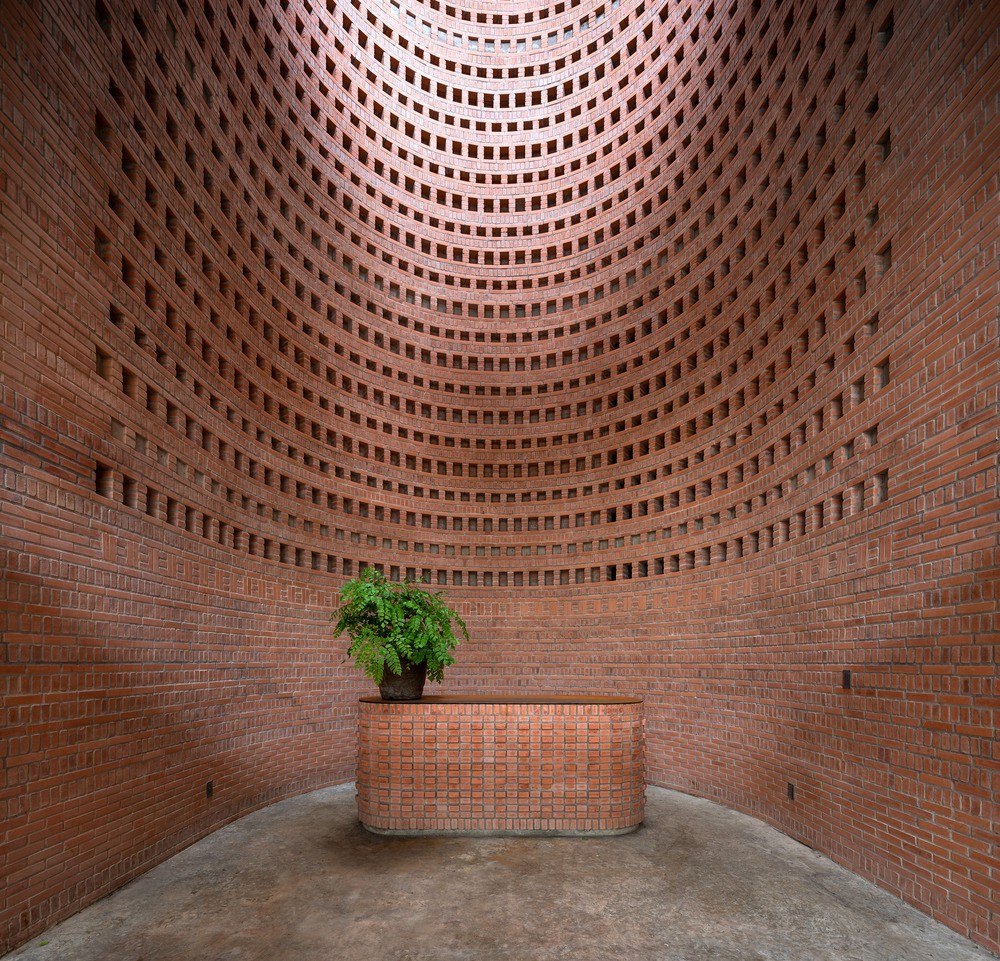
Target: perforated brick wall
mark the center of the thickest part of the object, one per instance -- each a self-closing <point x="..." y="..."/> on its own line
<point x="662" y="335"/>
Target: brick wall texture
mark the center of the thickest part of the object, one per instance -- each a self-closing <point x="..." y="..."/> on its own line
<point x="501" y="765"/>
<point x="663" y="336"/>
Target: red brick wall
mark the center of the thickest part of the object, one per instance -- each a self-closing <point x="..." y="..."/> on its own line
<point x="514" y="765"/>
<point x="677" y="368"/>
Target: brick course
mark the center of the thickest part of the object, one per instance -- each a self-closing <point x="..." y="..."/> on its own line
<point x="678" y="369"/>
<point x="506" y="766"/>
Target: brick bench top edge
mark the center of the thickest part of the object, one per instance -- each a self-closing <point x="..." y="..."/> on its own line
<point x="541" y="699"/>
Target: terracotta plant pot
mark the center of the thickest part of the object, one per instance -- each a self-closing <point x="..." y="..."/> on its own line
<point x="408" y="686"/>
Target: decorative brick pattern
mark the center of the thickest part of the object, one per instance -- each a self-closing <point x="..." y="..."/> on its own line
<point x="505" y="766"/>
<point x="663" y="335"/>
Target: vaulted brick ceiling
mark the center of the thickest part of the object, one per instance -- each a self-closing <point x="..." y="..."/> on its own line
<point x="663" y="336"/>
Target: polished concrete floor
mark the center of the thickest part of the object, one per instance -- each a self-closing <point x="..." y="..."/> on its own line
<point x="303" y="881"/>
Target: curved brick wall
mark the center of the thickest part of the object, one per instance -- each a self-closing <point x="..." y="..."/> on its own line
<point x="663" y="335"/>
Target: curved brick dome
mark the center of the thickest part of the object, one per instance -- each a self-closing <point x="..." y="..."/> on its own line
<point x="660" y="335"/>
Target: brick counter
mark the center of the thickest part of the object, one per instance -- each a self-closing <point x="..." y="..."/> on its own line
<point x="517" y="765"/>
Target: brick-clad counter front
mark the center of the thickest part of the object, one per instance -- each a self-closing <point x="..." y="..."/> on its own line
<point x="507" y="765"/>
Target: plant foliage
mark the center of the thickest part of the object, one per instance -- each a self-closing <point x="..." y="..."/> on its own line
<point x="390" y="623"/>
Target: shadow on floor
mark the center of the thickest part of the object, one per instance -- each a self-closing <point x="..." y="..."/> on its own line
<point x="303" y="880"/>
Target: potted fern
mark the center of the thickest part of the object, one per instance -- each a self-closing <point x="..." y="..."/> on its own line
<point x="400" y="633"/>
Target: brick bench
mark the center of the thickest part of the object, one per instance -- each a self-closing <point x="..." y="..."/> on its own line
<point x="503" y="765"/>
